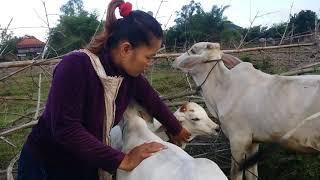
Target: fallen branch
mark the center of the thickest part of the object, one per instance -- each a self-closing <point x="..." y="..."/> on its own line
<point x="7" y="141"/>
<point x="304" y="69"/>
<point x="25" y="116"/>
<point x="10" y="167"/>
<point x="267" y="48"/>
<point x="16" y="98"/>
<point x="309" y="65"/>
<point x="29" y="62"/>
<point x="17" y="114"/>
<point x="12" y="130"/>
<point x="300" y="71"/>
<point x="22" y="69"/>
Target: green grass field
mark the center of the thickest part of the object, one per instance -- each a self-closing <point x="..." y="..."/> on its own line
<point x="25" y="88"/>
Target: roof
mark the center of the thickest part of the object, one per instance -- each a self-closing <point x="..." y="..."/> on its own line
<point x="30" y="42"/>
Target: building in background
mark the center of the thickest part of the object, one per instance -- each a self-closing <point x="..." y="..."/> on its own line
<point x="29" y="47"/>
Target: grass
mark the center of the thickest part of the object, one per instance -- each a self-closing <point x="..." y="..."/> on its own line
<point x="168" y="83"/>
<point x="7" y="152"/>
<point x="22" y="85"/>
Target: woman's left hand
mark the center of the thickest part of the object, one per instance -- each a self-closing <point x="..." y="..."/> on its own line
<point x="181" y="137"/>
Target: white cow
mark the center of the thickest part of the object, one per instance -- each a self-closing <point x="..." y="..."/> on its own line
<point x="191" y="116"/>
<point x="170" y="163"/>
<point x="253" y="106"/>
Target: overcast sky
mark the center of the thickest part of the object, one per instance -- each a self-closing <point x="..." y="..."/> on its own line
<point x="30" y="14"/>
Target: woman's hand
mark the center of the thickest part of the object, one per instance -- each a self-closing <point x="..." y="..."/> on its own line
<point x="181" y="137"/>
<point x="138" y="154"/>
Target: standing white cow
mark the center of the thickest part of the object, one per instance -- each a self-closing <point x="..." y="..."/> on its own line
<point x="253" y="106"/>
<point x="170" y="163"/>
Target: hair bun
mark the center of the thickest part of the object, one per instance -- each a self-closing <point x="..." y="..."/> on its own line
<point x="125" y="9"/>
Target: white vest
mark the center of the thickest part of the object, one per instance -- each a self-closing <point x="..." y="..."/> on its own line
<point x="111" y="87"/>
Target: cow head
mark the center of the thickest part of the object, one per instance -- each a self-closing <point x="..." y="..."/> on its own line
<point x="203" y="52"/>
<point x="195" y="119"/>
<point x="198" y="54"/>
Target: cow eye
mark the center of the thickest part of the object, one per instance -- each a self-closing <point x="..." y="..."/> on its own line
<point x="195" y="119"/>
<point x="192" y="51"/>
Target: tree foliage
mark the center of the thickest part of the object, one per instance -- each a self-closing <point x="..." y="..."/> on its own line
<point x="8" y="42"/>
<point x="75" y="28"/>
<point x="275" y="31"/>
<point x="72" y="8"/>
<point x="303" y="22"/>
<point x="230" y="37"/>
<point x="300" y="23"/>
<point x="193" y="25"/>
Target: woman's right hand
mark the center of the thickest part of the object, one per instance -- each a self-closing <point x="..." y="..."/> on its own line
<point x="138" y="154"/>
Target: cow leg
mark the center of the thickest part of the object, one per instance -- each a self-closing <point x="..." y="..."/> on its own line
<point x="252" y="172"/>
<point x="239" y="145"/>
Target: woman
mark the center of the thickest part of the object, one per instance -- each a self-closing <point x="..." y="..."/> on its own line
<point x="90" y="91"/>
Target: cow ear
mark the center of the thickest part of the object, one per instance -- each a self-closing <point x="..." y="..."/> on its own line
<point x="230" y="61"/>
<point x="183" y="108"/>
<point x="144" y="115"/>
<point x="188" y="61"/>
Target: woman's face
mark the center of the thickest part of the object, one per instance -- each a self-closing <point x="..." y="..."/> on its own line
<point x="135" y="61"/>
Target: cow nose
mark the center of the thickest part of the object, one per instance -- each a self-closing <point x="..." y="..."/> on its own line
<point x="217" y="129"/>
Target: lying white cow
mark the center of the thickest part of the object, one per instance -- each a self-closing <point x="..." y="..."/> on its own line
<point x="253" y="106"/>
<point x="170" y="163"/>
<point x="191" y="116"/>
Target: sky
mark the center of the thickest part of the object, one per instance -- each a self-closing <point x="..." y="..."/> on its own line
<point x="29" y="17"/>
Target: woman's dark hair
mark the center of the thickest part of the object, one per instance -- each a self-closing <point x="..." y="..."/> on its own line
<point x="138" y="28"/>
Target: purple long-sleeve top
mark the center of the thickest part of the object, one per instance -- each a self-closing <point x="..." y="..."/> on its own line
<point x="69" y="132"/>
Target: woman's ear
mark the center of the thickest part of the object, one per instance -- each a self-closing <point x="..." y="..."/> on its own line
<point x="125" y="48"/>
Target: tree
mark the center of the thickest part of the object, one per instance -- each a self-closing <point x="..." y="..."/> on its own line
<point x="187" y="11"/>
<point x="193" y="25"/>
<point x="72" y="8"/>
<point x="230" y="37"/>
<point x="182" y="32"/>
<point x="303" y="22"/>
<point x="8" y="42"/>
<point x="75" y="29"/>
<point x="255" y="32"/>
<point x="9" y="47"/>
<point x="275" y="31"/>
